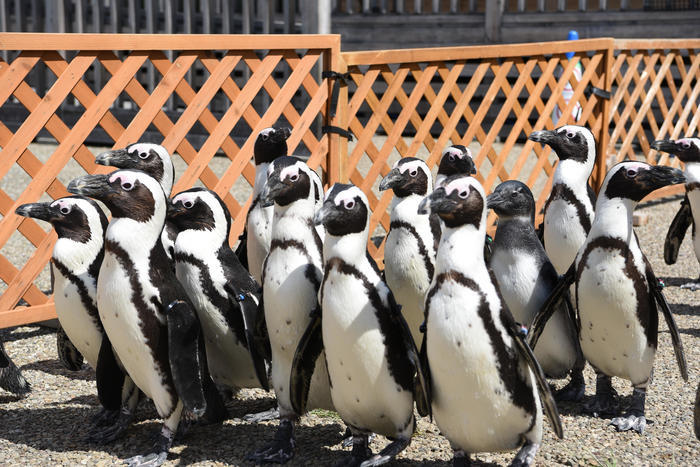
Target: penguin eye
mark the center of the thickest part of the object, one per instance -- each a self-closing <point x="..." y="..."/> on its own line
<point x="631" y="173"/>
<point x="127" y="186"/>
<point x="349" y="204"/>
<point x="265" y="137"/>
<point x="65" y="209"/>
<point x="413" y="172"/>
<point x="514" y="194"/>
<point x="685" y="145"/>
<point x="463" y="194"/>
<point x="452" y="157"/>
<point x="570" y="135"/>
<point x="294" y="177"/>
<point x="143" y="155"/>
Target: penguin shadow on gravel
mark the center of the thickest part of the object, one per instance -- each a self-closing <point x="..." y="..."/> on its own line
<point x="56" y="368"/>
<point x="11" y="335"/>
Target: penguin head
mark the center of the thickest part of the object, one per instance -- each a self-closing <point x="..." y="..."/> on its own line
<point x="409" y="176"/>
<point x="456" y="160"/>
<point x="634" y="180"/>
<point x="570" y="142"/>
<point x="129" y="194"/>
<point x="512" y="199"/>
<point x="459" y="201"/>
<point x="686" y="149"/>
<point x="74" y="217"/>
<point x="270" y="144"/>
<point x="199" y="209"/>
<point x="289" y="179"/>
<point x="151" y="158"/>
<point x="345" y="210"/>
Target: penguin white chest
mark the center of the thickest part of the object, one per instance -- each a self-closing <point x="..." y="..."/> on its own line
<point x="517" y="273"/>
<point x="80" y="327"/>
<point x="471" y="404"/>
<point x="612" y="337"/>
<point x="407" y="275"/>
<point x="563" y="234"/>
<point x="364" y="392"/>
<point x="289" y="298"/>
<point x="259" y="238"/>
<point x="694" y="199"/>
<point x="116" y="302"/>
<point x="228" y="358"/>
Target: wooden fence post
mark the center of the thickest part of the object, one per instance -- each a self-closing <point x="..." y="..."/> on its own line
<point x="605" y="81"/>
<point x="492" y="20"/>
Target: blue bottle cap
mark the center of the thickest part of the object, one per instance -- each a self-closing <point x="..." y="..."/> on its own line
<point x="572" y="36"/>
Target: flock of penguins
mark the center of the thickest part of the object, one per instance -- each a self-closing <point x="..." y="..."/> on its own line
<point x="158" y="303"/>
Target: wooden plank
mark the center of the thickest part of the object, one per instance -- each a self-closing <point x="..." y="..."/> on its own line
<point x="14" y="73"/>
<point x="146" y="42"/>
<point x="27" y="315"/>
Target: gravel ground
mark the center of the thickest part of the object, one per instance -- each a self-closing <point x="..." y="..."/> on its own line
<point x="48" y="426"/>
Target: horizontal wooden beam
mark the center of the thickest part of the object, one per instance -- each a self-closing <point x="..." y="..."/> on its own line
<point x="27" y="315"/>
<point x="42" y="41"/>
<point x="381" y="57"/>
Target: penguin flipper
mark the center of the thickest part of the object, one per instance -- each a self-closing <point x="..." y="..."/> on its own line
<point x="11" y="378"/>
<point x="550" y="305"/>
<point x="109" y="377"/>
<point x="260" y="335"/>
<point x="304" y="362"/>
<point x="424" y="410"/>
<point x="242" y="248"/>
<point x="657" y="291"/>
<point x="422" y="394"/>
<point x="488" y="250"/>
<point x="183" y="354"/>
<point x="548" y="403"/>
<point x="676" y="231"/>
<point x="249" y="310"/>
<point x="68" y="355"/>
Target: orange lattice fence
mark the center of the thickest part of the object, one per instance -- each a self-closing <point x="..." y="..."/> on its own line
<point x="488" y="98"/>
<point x="656" y="86"/>
<point x="261" y="80"/>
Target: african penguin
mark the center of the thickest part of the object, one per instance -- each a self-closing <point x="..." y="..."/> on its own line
<point x="224" y="294"/>
<point x="370" y="353"/>
<point x="617" y="293"/>
<point x="155" y="160"/>
<point x="485" y="395"/>
<point x="526" y="277"/>
<point x="11" y="378"/>
<point x="291" y="278"/>
<point x="77" y="256"/>
<point x="688" y="151"/>
<point x="409" y="251"/>
<point x="455" y="160"/>
<point x="145" y="311"/>
<point x="568" y="212"/>
<point x="270" y="144"/>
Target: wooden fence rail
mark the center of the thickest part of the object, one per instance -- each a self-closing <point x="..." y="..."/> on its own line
<point x="396" y="103"/>
<point x="261" y="56"/>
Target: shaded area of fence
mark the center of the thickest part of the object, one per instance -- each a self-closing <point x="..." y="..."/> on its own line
<point x="418" y="100"/>
<point x="259" y="56"/>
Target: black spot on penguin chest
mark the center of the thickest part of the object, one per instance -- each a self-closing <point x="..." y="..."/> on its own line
<point x="400" y="367"/>
<point x="646" y="306"/>
<point x="508" y="361"/>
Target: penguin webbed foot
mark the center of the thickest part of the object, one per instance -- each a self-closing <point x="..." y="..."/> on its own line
<point x="630" y="421"/>
<point x="267" y="415"/>
<point x="603" y="403"/>
<point x="113" y="431"/>
<point x="387" y="454"/>
<point x="104" y="417"/>
<point x="158" y="454"/>
<point x="347" y="438"/>
<point x="360" y="452"/>
<point x="692" y="285"/>
<point x="281" y="450"/>
<point x="461" y="459"/>
<point x="525" y="456"/>
<point x="574" y="390"/>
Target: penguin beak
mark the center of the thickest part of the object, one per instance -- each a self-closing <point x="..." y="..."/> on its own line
<point x="42" y="211"/>
<point x="326" y="213"/>
<point x="93" y="186"/>
<point x="660" y="175"/>
<point x="436" y="202"/>
<point x="280" y="134"/>
<point x="175" y="210"/>
<point x="273" y="188"/>
<point x="115" y="158"/>
<point x="543" y="136"/>
<point x="494" y="200"/>
<point x="393" y="179"/>
<point x="665" y="145"/>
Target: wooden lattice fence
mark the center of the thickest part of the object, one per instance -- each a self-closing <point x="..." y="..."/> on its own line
<point x="258" y="60"/>
<point x="395" y="103"/>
